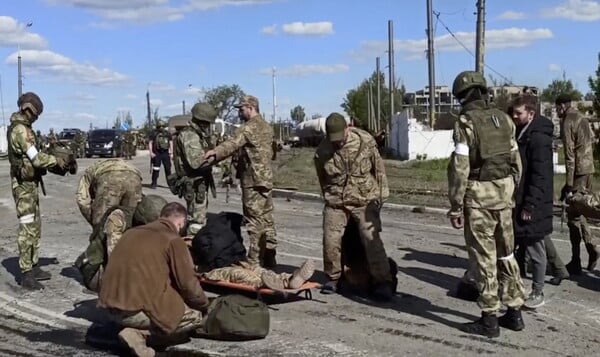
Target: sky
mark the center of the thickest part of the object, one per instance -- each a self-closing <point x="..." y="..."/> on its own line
<point x="91" y="60"/>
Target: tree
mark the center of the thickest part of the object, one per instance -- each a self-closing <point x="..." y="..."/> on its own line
<point x="316" y="116"/>
<point x="297" y="114"/>
<point x="117" y="122"/>
<point x="560" y="86"/>
<point x="223" y="98"/>
<point x="595" y="87"/>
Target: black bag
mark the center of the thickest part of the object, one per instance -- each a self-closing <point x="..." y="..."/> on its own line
<point x="237" y="318"/>
<point x="219" y="243"/>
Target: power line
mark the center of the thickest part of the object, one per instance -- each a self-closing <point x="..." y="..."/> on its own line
<point x="437" y="15"/>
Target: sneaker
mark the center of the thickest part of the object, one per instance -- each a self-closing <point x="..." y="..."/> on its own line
<point x="29" y="282"/>
<point x="136" y="341"/>
<point x="487" y="326"/>
<point x="40" y="275"/>
<point x="534" y="300"/>
<point x="302" y="274"/>
<point x="512" y="320"/>
<point x="272" y="281"/>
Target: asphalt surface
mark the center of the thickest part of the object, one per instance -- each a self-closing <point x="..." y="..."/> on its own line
<point x="422" y="319"/>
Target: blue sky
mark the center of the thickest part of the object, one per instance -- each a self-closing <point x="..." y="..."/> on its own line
<point x="91" y="59"/>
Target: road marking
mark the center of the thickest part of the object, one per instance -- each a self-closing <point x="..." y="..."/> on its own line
<point x="299" y="256"/>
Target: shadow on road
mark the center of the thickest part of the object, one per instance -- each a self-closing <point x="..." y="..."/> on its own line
<point x="12" y="265"/>
<point x="435" y="259"/>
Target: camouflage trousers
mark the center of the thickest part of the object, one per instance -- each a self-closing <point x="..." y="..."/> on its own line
<point x="244" y="273"/>
<point x="114" y="227"/>
<point x="490" y="242"/>
<point x="367" y="218"/>
<point x="258" y="211"/>
<point x="190" y="321"/>
<point x="117" y="188"/>
<point x="29" y="234"/>
<point x="197" y="205"/>
<point x="579" y="228"/>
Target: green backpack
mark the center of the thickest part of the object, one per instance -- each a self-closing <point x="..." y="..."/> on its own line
<point x="237" y="318"/>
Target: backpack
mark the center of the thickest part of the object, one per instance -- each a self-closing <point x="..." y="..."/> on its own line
<point x="237" y="318"/>
<point x="219" y="243"/>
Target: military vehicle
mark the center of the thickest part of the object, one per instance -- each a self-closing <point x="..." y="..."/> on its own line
<point x="74" y="139"/>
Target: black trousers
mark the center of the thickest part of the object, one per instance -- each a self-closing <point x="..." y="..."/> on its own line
<point x="164" y="159"/>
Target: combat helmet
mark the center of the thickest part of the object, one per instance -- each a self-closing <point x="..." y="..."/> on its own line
<point x="161" y="123"/>
<point x="467" y="80"/>
<point x="32" y="102"/>
<point x="204" y="112"/>
<point x="148" y="209"/>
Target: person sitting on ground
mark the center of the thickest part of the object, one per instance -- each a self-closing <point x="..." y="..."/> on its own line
<point x="149" y="286"/>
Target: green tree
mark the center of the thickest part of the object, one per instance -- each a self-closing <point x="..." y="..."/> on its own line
<point x="595" y="87"/>
<point x="223" y="98"/>
<point x="297" y="114"/>
<point x="560" y="86"/>
<point x="117" y="122"/>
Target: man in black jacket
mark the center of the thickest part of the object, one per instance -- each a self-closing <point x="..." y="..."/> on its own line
<point x="534" y="196"/>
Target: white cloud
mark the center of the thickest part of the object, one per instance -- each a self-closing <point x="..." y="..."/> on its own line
<point x="155" y="102"/>
<point x="85" y="116"/>
<point x="82" y="97"/>
<point x="576" y="10"/>
<point x="512" y="15"/>
<point x="308" y="28"/>
<point x="269" y="30"/>
<point x="161" y="87"/>
<point x="131" y="96"/>
<point x="494" y="40"/>
<point x="307" y="70"/>
<point x="554" y="67"/>
<point x="14" y="34"/>
<point x="48" y="63"/>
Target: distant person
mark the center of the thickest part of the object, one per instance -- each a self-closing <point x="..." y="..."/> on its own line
<point x="161" y="151"/>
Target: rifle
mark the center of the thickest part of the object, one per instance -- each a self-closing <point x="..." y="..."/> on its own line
<point x="39" y="174"/>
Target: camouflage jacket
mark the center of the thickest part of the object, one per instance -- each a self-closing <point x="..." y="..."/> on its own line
<point x="578" y="144"/>
<point x="585" y="203"/>
<point x="252" y="143"/>
<point x="353" y="175"/>
<point x="25" y="158"/>
<point x="466" y="192"/>
<point x="189" y="148"/>
<point x="87" y="182"/>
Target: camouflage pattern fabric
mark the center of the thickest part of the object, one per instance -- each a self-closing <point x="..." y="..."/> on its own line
<point x="579" y="228"/>
<point x="578" y="142"/>
<point x="585" y="203"/>
<point x="52" y="138"/>
<point x="108" y="183"/>
<point x="115" y="225"/>
<point x="161" y="140"/>
<point x="252" y="142"/>
<point x="244" y="273"/>
<point x="353" y="175"/>
<point x="25" y="165"/>
<point x="258" y="212"/>
<point x="490" y="243"/>
<point x="368" y="220"/>
<point x="127" y="144"/>
<point x="190" y="321"/>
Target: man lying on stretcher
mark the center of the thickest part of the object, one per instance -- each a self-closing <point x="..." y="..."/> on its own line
<point x="219" y="255"/>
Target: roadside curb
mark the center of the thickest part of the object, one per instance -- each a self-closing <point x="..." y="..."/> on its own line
<point x="313" y="197"/>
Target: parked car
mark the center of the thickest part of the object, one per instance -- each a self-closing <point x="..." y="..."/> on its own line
<point x="104" y="143"/>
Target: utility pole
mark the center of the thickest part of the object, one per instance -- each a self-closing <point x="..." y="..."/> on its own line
<point x="378" y="94"/>
<point x="480" y="37"/>
<point x="391" y="69"/>
<point x="369" y="111"/>
<point x="19" y="73"/>
<point x="2" y="103"/>
<point x="148" y="108"/>
<point x="274" y="98"/>
<point x="431" y="64"/>
<point x="183" y="103"/>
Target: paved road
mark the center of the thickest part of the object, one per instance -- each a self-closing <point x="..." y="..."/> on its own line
<point x="421" y="320"/>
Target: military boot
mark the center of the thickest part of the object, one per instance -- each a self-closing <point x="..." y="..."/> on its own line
<point x="593" y="254"/>
<point x="383" y="292"/>
<point x="28" y="282"/>
<point x="136" y="341"/>
<point x="512" y="320"/>
<point x="269" y="260"/>
<point x="39" y="274"/>
<point x="330" y="287"/>
<point x="487" y="325"/>
<point x="302" y="274"/>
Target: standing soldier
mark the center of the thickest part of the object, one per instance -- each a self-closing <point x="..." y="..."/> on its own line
<point x="252" y="145"/>
<point x="52" y="138"/>
<point x="79" y="144"/>
<point x="107" y="183"/>
<point x="27" y="166"/>
<point x="578" y="143"/>
<point x="126" y="144"/>
<point x="190" y="145"/>
<point x="353" y="184"/>
<point x="161" y="151"/>
<point x="482" y="174"/>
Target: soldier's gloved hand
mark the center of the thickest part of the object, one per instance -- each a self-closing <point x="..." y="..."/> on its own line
<point x="565" y="191"/>
<point x="457" y="222"/>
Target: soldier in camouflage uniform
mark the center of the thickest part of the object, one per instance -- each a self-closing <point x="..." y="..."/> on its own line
<point x="482" y="174"/>
<point x="252" y="144"/>
<point x="126" y="144"/>
<point x="578" y="143"/>
<point x="161" y="151"/>
<point x="107" y="183"/>
<point x="79" y="144"/>
<point x="354" y="185"/>
<point x="27" y="166"/>
<point x="52" y="138"/>
<point x="190" y="145"/>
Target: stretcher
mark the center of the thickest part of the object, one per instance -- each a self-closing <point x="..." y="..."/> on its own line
<point x="305" y="289"/>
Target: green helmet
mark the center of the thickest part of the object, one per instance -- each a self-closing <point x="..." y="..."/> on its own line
<point x="467" y="80"/>
<point x="160" y="123"/>
<point x="204" y="112"/>
<point x="148" y="209"/>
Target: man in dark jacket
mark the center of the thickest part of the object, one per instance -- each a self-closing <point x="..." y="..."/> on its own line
<point x="534" y="195"/>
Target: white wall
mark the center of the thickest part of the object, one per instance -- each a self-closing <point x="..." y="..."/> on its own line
<point x="3" y="142"/>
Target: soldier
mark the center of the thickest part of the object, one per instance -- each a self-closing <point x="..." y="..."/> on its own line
<point x="126" y="144"/>
<point x="52" y="138"/>
<point x="161" y="151"/>
<point x="354" y="185"/>
<point x="190" y="145"/>
<point x="80" y="143"/>
<point x="107" y="183"/>
<point x="482" y="174"/>
<point x="252" y="145"/>
<point x="27" y="166"/>
<point x="578" y="143"/>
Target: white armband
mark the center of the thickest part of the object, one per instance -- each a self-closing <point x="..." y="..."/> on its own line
<point x="461" y="149"/>
<point x="31" y="152"/>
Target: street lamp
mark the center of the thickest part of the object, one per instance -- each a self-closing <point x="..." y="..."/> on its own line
<point x="29" y="24"/>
